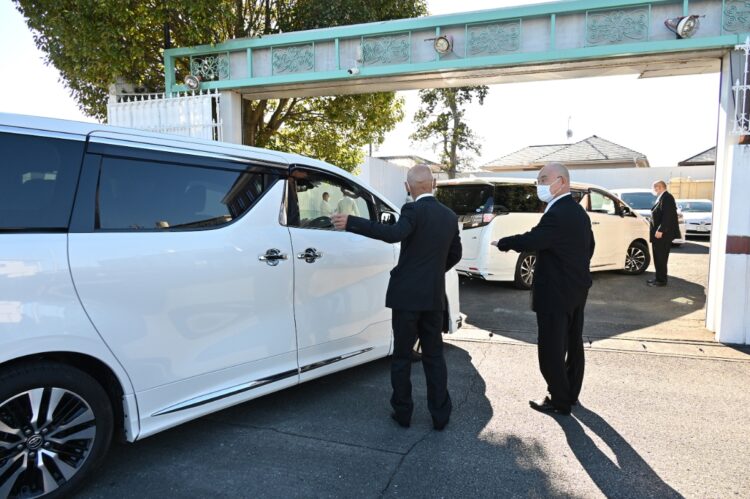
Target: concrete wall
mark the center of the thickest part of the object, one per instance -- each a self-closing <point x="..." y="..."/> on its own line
<point x="621" y="178"/>
<point x="386" y="178"/>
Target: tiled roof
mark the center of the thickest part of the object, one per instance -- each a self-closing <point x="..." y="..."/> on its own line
<point x="707" y="157"/>
<point x="525" y="156"/>
<point x="592" y="149"/>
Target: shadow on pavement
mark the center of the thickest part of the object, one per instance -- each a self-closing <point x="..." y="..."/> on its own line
<point x="333" y="437"/>
<point x="616" y="304"/>
<point x="628" y="476"/>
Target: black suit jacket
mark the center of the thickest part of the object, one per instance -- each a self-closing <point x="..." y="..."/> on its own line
<point x="430" y="246"/>
<point x="664" y="218"/>
<point x="564" y="243"/>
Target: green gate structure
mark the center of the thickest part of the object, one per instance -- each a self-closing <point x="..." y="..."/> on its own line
<point x="553" y="40"/>
<point x="526" y="43"/>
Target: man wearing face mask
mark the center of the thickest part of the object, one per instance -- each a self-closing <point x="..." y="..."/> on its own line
<point x="664" y="228"/>
<point x="564" y="243"/>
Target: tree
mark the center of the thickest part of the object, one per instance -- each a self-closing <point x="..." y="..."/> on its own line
<point x="93" y="42"/>
<point x="441" y="121"/>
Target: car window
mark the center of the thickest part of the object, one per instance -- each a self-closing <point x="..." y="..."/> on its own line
<point x="143" y="195"/>
<point x="37" y="181"/>
<point x="517" y="198"/>
<point x="601" y="203"/>
<point x="694" y="206"/>
<point x="639" y="200"/>
<point x="315" y="196"/>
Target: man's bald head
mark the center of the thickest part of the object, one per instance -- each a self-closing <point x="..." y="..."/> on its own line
<point x="556" y="176"/>
<point x="556" y="170"/>
<point x="419" y="180"/>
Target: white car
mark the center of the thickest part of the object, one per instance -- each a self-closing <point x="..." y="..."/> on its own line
<point x="492" y="208"/>
<point x="641" y="201"/>
<point x="147" y="280"/>
<point x="698" y="215"/>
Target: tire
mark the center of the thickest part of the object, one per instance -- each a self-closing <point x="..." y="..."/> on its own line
<point x="52" y="456"/>
<point x="637" y="259"/>
<point x="524" y="276"/>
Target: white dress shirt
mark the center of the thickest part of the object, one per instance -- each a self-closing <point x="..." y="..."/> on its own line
<point x="426" y="194"/>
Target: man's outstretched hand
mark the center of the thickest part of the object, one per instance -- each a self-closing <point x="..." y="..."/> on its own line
<point x="500" y="245"/>
<point x="339" y="221"/>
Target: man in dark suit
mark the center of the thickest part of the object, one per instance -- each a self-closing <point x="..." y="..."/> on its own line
<point x="430" y="246"/>
<point x="564" y="243"/>
<point x="664" y="228"/>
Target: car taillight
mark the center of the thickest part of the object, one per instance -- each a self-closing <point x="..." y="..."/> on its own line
<point x="487" y="217"/>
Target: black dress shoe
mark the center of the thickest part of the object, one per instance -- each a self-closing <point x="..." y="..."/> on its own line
<point x="439" y="426"/>
<point x="658" y="284"/>
<point x="545" y="405"/>
<point x="650" y="281"/>
<point x="404" y="423"/>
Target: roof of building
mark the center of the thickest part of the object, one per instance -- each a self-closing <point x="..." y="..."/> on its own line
<point x="707" y="157"/>
<point x="412" y="157"/>
<point x="590" y="150"/>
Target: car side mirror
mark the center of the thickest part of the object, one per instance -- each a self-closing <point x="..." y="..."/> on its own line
<point x="625" y="211"/>
<point x="387" y="218"/>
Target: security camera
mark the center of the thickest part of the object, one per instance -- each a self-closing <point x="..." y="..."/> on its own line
<point x="353" y="71"/>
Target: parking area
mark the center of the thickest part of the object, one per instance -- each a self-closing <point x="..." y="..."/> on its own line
<point x="332" y="437"/>
<point x="620" y="307"/>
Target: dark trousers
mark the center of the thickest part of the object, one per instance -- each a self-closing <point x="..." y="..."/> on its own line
<point x="660" y="248"/>
<point x="427" y="326"/>
<point x="560" y="349"/>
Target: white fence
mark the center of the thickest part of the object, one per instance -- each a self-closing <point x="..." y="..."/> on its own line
<point x="192" y="115"/>
<point x="619" y="178"/>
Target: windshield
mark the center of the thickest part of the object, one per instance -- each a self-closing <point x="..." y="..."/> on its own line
<point x="467" y="199"/>
<point x="639" y="200"/>
<point x="695" y="206"/>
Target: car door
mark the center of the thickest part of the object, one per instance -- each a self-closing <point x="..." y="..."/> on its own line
<point x="180" y="266"/>
<point x="607" y="226"/>
<point x="340" y="277"/>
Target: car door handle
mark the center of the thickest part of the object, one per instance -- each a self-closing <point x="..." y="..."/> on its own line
<point x="594" y="223"/>
<point x="272" y="257"/>
<point x="310" y="255"/>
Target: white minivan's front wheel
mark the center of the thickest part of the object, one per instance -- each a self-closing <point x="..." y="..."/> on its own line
<point x="524" y="276"/>
<point x="637" y="259"/>
<point x="56" y="425"/>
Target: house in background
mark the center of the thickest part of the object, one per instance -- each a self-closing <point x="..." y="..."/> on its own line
<point x="707" y="157"/>
<point x="591" y="153"/>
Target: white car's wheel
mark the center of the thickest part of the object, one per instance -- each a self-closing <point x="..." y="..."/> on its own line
<point x="637" y="259"/>
<point x="524" y="276"/>
<point x="55" y="426"/>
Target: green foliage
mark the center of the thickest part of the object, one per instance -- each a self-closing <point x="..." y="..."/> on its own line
<point x="440" y="121"/>
<point x="335" y="129"/>
<point x="94" y="42"/>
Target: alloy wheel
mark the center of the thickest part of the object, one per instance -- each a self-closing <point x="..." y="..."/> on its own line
<point x="635" y="259"/>
<point x="527" y="269"/>
<point x="46" y="435"/>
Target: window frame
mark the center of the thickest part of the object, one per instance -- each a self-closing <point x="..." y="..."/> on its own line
<point x="76" y="167"/>
<point x="615" y="201"/>
<point x="85" y="208"/>
<point x="288" y="201"/>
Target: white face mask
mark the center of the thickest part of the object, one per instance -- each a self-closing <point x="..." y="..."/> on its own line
<point x="544" y="192"/>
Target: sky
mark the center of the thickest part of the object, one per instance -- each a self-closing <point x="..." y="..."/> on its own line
<point x="667" y="119"/>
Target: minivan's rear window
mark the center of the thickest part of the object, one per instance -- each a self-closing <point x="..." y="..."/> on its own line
<point x="38" y="178"/>
<point x="467" y="199"/>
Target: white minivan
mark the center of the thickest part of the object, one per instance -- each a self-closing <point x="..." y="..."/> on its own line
<point x="147" y="280"/>
<point x="492" y="208"/>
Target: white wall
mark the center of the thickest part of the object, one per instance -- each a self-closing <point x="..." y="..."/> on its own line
<point x="386" y="178"/>
<point x="621" y="178"/>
